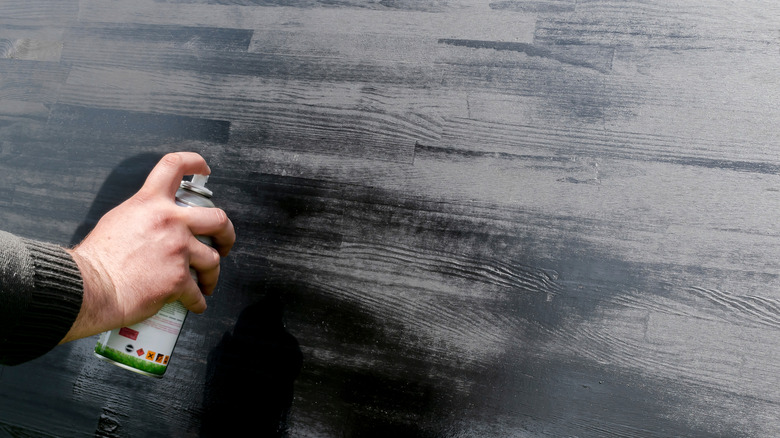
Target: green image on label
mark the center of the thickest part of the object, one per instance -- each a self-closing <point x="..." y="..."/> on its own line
<point x="138" y="363"/>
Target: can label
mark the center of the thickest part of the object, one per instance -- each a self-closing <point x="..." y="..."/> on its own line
<point x="145" y="347"/>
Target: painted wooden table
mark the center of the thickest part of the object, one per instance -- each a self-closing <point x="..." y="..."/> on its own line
<point x="456" y="218"/>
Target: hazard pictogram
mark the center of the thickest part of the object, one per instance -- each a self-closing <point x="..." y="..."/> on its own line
<point x="150" y="355"/>
<point x="139" y="352"/>
<point x="159" y="358"/>
<point x="165" y="361"/>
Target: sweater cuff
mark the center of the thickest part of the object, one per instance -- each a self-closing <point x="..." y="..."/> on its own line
<point x="55" y="302"/>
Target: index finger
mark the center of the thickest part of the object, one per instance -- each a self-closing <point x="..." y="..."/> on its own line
<point x="169" y="171"/>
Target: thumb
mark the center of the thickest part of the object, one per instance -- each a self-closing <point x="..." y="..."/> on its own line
<point x="166" y="176"/>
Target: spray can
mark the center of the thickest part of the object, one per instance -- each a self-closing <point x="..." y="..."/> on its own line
<point x="146" y="347"/>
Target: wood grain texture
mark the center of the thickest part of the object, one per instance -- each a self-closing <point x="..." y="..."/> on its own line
<point x="455" y="219"/>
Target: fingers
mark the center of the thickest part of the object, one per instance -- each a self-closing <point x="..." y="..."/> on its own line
<point x="212" y="222"/>
<point x="165" y="179"/>
<point x="166" y="176"/>
<point x="205" y="260"/>
<point x="161" y="184"/>
<point x="201" y="279"/>
<point x="193" y="299"/>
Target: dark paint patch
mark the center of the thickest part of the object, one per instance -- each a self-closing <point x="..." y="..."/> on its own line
<point x="181" y="37"/>
<point x="274" y="211"/>
<point x="550" y="6"/>
<point x="109" y="125"/>
<point x="352" y="399"/>
<point x="319" y="69"/>
<point x="361" y="390"/>
<point x="385" y="395"/>
<point x="471" y="153"/>
<point x="735" y="165"/>
<point x="620" y="145"/>
<point x="528" y="49"/>
<point x="409" y="5"/>
<point x="50" y="12"/>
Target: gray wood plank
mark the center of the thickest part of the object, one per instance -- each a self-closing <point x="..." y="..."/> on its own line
<point x="509" y="218"/>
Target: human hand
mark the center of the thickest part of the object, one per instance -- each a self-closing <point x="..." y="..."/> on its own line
<point x="138" y="256"/>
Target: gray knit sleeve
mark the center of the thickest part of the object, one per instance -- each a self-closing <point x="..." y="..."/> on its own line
<point x="40" y="297"/>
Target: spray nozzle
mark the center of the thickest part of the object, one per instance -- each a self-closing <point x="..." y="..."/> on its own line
<point x="199" y="180"/>
<point x="197" y="185"/>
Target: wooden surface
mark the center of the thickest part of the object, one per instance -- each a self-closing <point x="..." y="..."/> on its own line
<point x="455" y="219"/>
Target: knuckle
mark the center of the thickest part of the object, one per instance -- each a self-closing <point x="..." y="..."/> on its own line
<point x="175" y="246"/>
<point x="171" y="159"/>
<point x="215" y="258"/>
<point x="182" y="276"/>
<point x="221" y="218"/>
<point x="162" y="220"/>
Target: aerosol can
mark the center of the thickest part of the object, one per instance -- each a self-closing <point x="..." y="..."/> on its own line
<point x="146" y="347"/>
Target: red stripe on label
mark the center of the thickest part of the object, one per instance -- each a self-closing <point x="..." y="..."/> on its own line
<point x="128" y="333"/>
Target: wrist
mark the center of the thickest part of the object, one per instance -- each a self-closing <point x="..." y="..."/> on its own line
<point x="99" y="310"/>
